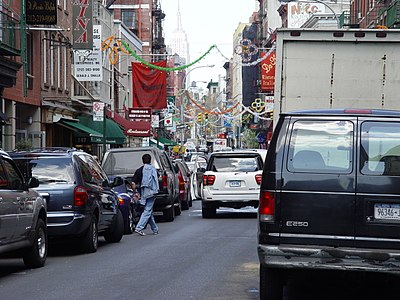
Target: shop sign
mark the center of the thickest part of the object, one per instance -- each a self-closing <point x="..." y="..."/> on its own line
<point x="41" y="12"/>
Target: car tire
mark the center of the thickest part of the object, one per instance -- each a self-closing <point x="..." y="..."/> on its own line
<point x="178" y="209"/>
<point x="208" y="211"/>
<point x="190" y="199"/>
<point x="115" y="233"/>
<point x="185" y="204"/>
<point x="169" y="214"/>
<point x="35" y="256"/>
<point x="129" y="225"/>
<point x="89" y="241"/>
<point x="271" y="283"/>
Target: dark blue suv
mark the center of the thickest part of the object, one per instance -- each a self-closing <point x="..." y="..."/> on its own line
<point x="79" y="196"/>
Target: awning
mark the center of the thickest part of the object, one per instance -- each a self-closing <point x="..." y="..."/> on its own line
<point x="114" y="134"/>
<point x="79" y="127"/>
<point x="139" y="129"/>
<point x="162" y="142"/>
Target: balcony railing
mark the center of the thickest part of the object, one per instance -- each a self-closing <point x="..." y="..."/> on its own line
<point x="393" y="15"/>
<point x="9" y="35"/>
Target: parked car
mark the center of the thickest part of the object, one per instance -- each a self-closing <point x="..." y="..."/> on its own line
<point x="184" y="174"/>
<point x="231" y="179"/>
<point x="79" y="196"/>
<point x="197" y="167"/>
<point x="330" y="196"/>
<point x="124" y="162"/>
<point x="22" y="215"/>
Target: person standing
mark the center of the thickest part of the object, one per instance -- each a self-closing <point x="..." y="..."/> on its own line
<point x="146" y="180"/>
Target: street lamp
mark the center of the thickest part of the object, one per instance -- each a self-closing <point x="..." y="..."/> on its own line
<point x="182" y="108"/>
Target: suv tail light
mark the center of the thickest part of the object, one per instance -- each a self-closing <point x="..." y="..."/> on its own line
<point x="80" y="196"/>
<point x="266" y="209"/>
<point x="164" y="181"/>
<point x="208" y="179"/>
<point x="258" y="178"/>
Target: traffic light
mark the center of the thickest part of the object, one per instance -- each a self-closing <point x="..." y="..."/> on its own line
<point x="206" y="116"/>
<point x="199" y="117"/>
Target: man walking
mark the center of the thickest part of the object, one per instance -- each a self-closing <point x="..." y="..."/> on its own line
<point x="146" y="179"/>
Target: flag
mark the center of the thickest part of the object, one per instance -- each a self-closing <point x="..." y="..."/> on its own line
<point x="149" y="86"/>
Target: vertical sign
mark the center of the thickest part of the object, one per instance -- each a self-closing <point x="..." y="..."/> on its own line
<point x="82" y="24"/>
<point x="98" y="111"/>
<point x="268" y="72"/>
<point x="89" y="67"/>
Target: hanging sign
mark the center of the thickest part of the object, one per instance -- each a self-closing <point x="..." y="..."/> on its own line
<point x="41" y="12"/>
<point x="82" y="24"/>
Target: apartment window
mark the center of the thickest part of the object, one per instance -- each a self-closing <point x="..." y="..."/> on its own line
<point x="65" y="67"/>
<point x="128" y="18"/>
<point x="29" y="62"/>
<point x="44" y="51"/>
<point x="52" y="60"/>
<point x="59" y="64"/>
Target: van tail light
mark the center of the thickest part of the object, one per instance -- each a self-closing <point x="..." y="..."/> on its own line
<point x="266" y="209"/>
<point x="258" y="178"/>
<point x="208" y="179"/>
<point x="80" y="196"/>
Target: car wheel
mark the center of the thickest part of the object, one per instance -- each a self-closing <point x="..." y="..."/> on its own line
<point x="271" y="283"/>
<point x="208" y="211"/>
<point x="190" y="199"/>
<point x="169" y="214"/>
<point x="130" y="222"/>
<point x="185" y="204"/>
<point x="178" y="209"/>
<point x="90" y="239"/>
<point x="35" y="256"/>
<point x="115" y="233"/>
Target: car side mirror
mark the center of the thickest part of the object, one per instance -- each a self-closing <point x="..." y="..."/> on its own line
<point x="33" y="182"/>
<point x="117" y="181"/>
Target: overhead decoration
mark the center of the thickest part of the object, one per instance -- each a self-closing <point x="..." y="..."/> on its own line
<point x="149" y="87"/>
<point x="211" y="112"/>
<point x="246" y="49"/>
<point x="257" y="105"/>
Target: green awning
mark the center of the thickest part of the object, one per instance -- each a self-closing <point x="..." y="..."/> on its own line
<point x="114" y="133"/>
<point x="76" y="126"/>
<point x="166" y="142"/>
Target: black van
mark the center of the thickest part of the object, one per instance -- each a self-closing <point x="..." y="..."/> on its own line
<point x="330" y="195"/>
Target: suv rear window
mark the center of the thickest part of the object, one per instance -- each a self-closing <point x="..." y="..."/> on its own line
<point x="48" y="169"/>
<point x="235" y="164"/>
<point x="321" y="147"/>
<point x="126" y="162"/>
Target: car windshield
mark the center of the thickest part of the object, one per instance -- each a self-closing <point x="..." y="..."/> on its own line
<point x="126" y="162"/>
<point x="48" y="169"/>
<point x="235" y="164"/>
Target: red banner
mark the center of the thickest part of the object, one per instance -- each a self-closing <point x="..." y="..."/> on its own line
<point x="268" y="72"/>
<point x="149" y="85"/>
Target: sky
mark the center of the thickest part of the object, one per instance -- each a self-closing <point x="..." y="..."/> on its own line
<point x="208" y="22"/>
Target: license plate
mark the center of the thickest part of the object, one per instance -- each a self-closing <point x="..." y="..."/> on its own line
<point x="234" y="183"/>
<point x="387" y="211"/>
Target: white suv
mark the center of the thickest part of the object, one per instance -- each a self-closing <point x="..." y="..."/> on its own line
<point x="231" y="179"/>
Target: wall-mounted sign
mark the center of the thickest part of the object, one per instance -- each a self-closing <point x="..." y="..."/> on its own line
<point x="140" y="114"/>
<point x="82" y="24"/>
<point x="41" y="12"/>
<point x="268" y="72"/>
<point x="88" y="64"/>
<point x="299" y="12"/>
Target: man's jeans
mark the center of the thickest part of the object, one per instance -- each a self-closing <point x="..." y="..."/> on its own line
<point x="147" y="216"/>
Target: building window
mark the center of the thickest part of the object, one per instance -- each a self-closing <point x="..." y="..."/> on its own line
<point x="52" y="60"/>
<point x="65" y="67"/>
<point x="44" y="51"/>
<point x="59" y="65"/>
<point x="29" y="61"/>
<point x="128" y="18"/>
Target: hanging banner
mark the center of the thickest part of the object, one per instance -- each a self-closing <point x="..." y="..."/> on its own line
<point x="149" y="86"/>
<point x="82" y="24"/>
<point x="268" y="72"/>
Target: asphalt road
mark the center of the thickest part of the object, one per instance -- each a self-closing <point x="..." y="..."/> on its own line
<point x="191" y="258"/>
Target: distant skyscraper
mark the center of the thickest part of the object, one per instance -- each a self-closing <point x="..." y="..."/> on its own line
<point x="177" y="41"/>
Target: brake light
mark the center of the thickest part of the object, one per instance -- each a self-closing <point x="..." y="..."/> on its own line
<point x="120" y="201"/>
<point x="266" y="209"/>
<point x="258" y="178"/>
<point x="181" y="182"/>
<point x="164" y="181"/>
<point x="80" y="196"/>
<point x="208" y="179"/>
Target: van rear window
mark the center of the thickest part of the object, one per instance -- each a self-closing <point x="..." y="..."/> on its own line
<point x="321" y="146"/>
<point x="380" y="148"/>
